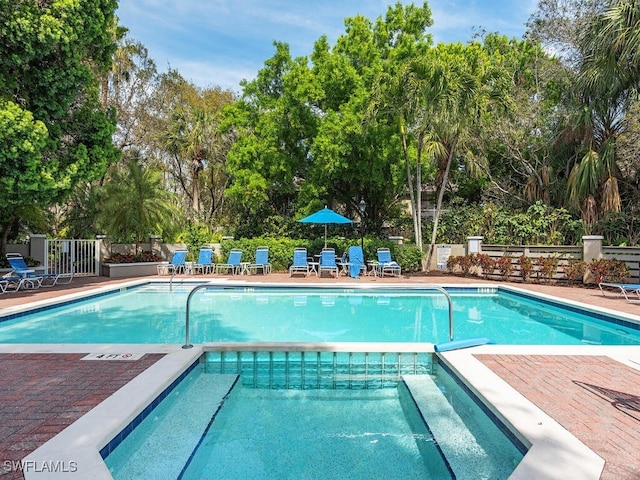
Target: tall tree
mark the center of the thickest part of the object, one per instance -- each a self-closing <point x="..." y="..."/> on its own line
<point x="357" y="147"/>
<point x="607" y="89"/>
<point x="304" y="138"/>
<point x="129" y="89"/>
<point x="50" y="54"/>
<point x="136" y="204"/>
<point x="457" y="86"/>
<point x="524" y="164"/>
<point x="189" y="135"/>
<point x="559" y="24"/>
<point x="274" y="124"/>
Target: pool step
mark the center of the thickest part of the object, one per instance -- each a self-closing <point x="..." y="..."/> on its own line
<point x="459" y="432"/>
<point x="319" y="370"/>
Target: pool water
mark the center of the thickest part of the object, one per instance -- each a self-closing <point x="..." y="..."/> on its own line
<point x="156" y="314"/>
<point x="318" y="434"/>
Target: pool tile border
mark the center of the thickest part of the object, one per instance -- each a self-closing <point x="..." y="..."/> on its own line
<point x="608" y="317"/>
<point x="124" y="433"/>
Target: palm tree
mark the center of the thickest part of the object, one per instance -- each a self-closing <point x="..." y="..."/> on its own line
<point x="608" y="84"/>
<point x="456" y="85"/>
<point x="394" y="96"/>
<point x="137" y="203"/>
<point x="186" y="138"/>
<point x="611" y="48"/>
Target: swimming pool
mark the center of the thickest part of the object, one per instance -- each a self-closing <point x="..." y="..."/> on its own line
<point x="426" y="428"/>
<point x="155" y="313"/>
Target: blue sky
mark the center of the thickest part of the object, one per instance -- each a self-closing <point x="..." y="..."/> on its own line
<point x="220" y="42"/>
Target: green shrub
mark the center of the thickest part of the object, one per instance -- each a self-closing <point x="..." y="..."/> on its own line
<point x="409" y="257"/>
<point x="281" y="250"/>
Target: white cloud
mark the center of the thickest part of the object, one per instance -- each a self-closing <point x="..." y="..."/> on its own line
<point x="206" y="74"/>
<point x="224" y="41"/>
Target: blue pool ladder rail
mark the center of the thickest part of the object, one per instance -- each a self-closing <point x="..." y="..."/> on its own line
<point x="464" y="343"/>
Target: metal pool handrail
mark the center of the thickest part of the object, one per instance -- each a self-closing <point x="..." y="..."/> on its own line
<point x="186" y="323"/>
<point x="450" y="302"/>
<point x="200" y="287"/>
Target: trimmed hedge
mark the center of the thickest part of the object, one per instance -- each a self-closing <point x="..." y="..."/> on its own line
<point x="281" y="250"/>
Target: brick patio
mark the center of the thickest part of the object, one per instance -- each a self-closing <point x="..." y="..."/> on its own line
<point x="596" y="398"/>
<point x="41" y="394"/>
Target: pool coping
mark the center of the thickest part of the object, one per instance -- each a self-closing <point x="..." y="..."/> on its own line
<point x="554" y="453"/>
<point x="82" y="441"/>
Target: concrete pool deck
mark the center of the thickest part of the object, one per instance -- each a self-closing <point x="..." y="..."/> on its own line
<point x="592" y="392"/>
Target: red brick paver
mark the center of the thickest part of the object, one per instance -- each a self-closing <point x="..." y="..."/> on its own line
<point x="41" y="394"/>
<point x="595" y="398"/>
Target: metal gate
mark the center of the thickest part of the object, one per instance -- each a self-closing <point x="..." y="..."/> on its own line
<point x="73" y="257"/>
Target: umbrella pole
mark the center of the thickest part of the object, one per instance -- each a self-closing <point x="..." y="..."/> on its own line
<point x="325" y="235"/>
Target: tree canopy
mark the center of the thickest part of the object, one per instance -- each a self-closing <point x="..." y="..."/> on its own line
<point x="543" y="126"/>
<point x="55" y="134"/>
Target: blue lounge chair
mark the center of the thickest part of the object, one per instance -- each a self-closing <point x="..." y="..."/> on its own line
<point x="343" y="263"/>
<point x="300" y="262"/>
<point x="327" y="262"/>
<point x="203" y="264"/>
<point x="11" y="281"/>
<point x="630" y="291"/>
<point x="21" y="270"/>
<point x="356" y="262"/>
<point x="262" y="261"/>
<point x="386" y="264"/>
<point x="233" y="262"/>
<point x="176" y="265"/>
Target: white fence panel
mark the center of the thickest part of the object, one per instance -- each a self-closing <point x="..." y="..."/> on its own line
<point x="77" y="257"/>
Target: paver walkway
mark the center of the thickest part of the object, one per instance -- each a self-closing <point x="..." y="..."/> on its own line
<point x="596" y="398"/>
<point x="41" y="394"/>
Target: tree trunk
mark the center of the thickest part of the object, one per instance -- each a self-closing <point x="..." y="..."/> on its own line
<point x="419" y="193"/>
<point x="445" y="179"/>
<point x="412" y="197"/>
<point x="196" y="168"/>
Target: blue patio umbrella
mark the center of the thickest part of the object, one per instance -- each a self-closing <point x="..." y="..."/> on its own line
<point x="325" y="217"/>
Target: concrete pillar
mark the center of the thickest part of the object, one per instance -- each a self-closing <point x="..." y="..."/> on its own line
<point x="474" y="245"/>
<point x="154" y="243"/>
<point x="104" y="248"/>
<point x="38" y="248"/>
<point x="591" y="250"/>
